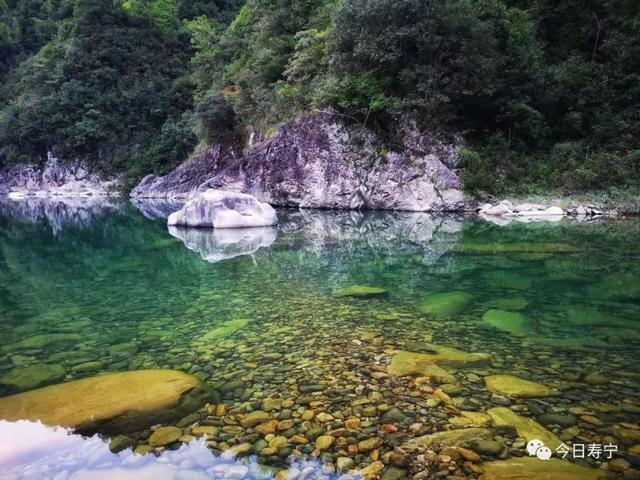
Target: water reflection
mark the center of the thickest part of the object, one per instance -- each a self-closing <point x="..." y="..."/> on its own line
<point x="58" y="212"/>
<point x="216" y="245"/>
<point x="32" y="451"/>
<point x="155" y="209"/>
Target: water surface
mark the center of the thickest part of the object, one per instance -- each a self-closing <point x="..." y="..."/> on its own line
<point x="140" y="296"/>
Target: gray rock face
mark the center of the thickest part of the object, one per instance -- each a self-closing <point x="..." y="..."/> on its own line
<point x="185" y="179"/>
<point x="224" y="209"/>
<point x="57" y="178"/>
<point x="316" y="162"/>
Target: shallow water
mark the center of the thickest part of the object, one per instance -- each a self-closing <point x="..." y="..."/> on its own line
<point x="139" y="296"/>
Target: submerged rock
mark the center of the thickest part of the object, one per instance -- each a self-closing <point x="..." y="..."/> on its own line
<point x="461" y="437"/>
<point x="413" y="363"/>
<point x="511" y="303"/>
<point x="515" y="387"/>
<point x="42" y="341"/>
<point x="226" y="329"/>
<point x="447" y="304"/>
<point x="116" y="402"/>
<point x="359" y="291"/>
<point x="26" y="378"/>
<point x="527" y="428"/>
<point x="532" y="468"/>
<point x="224" y="209"/>
<point x="510" y="322"/>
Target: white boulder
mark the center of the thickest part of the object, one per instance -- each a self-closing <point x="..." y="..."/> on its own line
<point x="224" y="209"/>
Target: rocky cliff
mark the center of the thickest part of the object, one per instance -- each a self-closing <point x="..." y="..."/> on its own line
<point x="57" y="178"/>
<point x="320" y="161"/>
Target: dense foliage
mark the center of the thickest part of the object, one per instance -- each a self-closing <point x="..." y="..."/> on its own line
<point x="546" y="92"/>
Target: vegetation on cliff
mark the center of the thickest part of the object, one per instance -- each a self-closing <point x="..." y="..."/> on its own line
<point x="546" y="92"/>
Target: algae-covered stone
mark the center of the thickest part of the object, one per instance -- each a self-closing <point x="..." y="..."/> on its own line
<point x="26" y="378"/>
<point x="511" y="303"/>
<point x="414" y="363"/>
<point x="361" y="291"/>
<point x="511" y="322"/>
<point x="512" y="386"/>
<point x="532" y="468"/>
<point x="527" y="428"/>
<point x="42" y="341"/>
<point x="451" y="438"/>
<point x="445" y="305"/>
<point x="226" y="329"/>
<point x="116" y="402"/>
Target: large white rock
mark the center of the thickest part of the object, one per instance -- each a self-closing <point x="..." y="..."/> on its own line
<point x="224" y="209"/>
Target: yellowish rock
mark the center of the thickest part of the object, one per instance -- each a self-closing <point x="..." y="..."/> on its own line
<point x="461" y="437"/>
<point x="115" y="402"/>
<point x="324" y="442"/>
<point x="254" y="418"/>
<point x="164" y="436"/>
<point x="203" y="430"/>
<point x="526" y="427"/>
<point x="373" y="470"/>
<point x="267" y="427"/>
<point x="531" y="468"/>
<point x="411" y="363"/>
<point x="512" y="386"/>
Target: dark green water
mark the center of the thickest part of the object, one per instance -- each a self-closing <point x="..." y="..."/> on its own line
<point x="122" y="293"/>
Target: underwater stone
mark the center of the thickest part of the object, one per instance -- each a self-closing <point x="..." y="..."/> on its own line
<point x="412" y="363"/>
<point x="41" y="341"/>
<point x="226" y="329"/>
<point x="510" y="322"/>
<point x="514" y="303"/>
<point x="451" y="438"/>
<point x="447" y="304"/>
<point x="116" y="402"/>
<point x="359" y="291"/>
<point x="512" y="386"/>
<point x="526" y="427"/>
<point x="532" y="468"/>
<point x="26" y="378"/>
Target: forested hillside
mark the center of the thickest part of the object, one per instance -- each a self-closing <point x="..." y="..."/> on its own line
<point x="546" y="93"/>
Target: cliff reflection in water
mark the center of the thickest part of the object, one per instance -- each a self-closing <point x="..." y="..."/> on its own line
<point x="32" y="451"/>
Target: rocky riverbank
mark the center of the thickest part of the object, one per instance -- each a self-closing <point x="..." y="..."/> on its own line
<point x="56" y="178"/>
<point x="319" y="161"/>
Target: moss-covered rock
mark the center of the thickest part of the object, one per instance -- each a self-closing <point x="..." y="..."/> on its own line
<point x="446" y="304"/>
<point x="505" y="280"/>
<point x="42" y="341"/>
<point x="515" y="387"/>
<point x="112" y="403"/>
<point x="360" y="291"/>
<point x="26" y="378"/>
<point x="511" y="322"/>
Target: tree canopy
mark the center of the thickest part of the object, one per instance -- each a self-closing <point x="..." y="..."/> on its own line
<point x="545" y="92"/>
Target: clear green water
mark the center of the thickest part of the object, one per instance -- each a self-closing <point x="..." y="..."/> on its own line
<point x="137" y="297"/>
